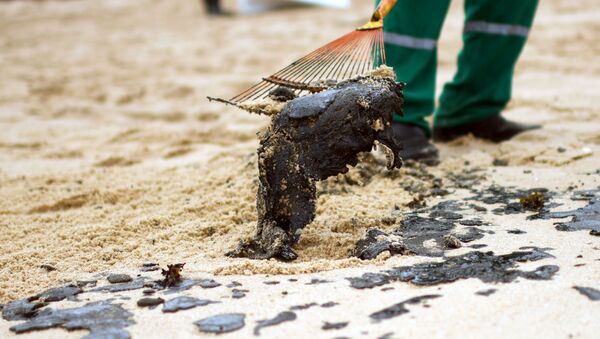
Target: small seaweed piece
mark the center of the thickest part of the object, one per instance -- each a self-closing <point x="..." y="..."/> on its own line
<point x="534" y="201"/>
<point x="172" y="275"/>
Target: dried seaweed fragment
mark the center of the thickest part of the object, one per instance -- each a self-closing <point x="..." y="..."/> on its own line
<point x="172" y="275"/>
<point x="534" y="201"/>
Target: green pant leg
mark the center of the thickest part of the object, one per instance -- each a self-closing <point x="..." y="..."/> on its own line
<point x="411" y="31"/>
<point x="494" y="35"/>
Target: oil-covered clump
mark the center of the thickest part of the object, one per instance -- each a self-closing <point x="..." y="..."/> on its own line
<point x="315" y="137"/>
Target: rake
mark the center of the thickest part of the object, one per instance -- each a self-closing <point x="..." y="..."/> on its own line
<point x="353" y="54"/>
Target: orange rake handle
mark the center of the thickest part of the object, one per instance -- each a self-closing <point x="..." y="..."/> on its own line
<point x="376" y="21"/>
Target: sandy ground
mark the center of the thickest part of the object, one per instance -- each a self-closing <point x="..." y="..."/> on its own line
<point x="110" y="156"/>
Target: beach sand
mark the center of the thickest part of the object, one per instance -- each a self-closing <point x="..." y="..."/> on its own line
<point x="111" y="156"/>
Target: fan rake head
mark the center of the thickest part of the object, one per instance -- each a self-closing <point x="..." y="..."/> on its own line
<point x="351" y="55"/>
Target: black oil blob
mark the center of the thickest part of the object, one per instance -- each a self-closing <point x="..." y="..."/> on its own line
<point x="415" y="231"/>
<point x="591" y="293"/>
<point x="186" y="284"/>
<point x="377" y="242"/>
<point x="117" y="278"/>
<point x="238" y="293"/>
<point x="334" y="326"/>
<point x="221" y="323"/>
<point x="329" y="304"/>
<point x="400" y="308"/>
<point x="486" y="267"/>
<point x="315" y="137"/>
<point x="303" y="307"/>
<point x="511" y="199"/>
<point x="487" y="292"/>
<point x="150" y="302"/>
<point x="22" y="309"/>
<point x="184" y="303"/>
<point x="59" y="293"/>
<point x="102" y="319"/>
<point x="280" y="318"/>
<point x="120" y="287"/>
<point x="584" y="218"/>
<point x="316" y="281"/>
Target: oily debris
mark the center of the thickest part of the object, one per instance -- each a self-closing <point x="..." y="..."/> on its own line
<point x="27" y="308"/>
<point x="376" y="242"/>
<point x="59" y="293"/>
<point x="487" y="292"/>
<point x="22" y="309"/>
<point x="584" y="218"/>
<point x="428" y="235"/>
<point x="484" y="266"/>
<point x="103" y="320"/>
<point x="184" y="303"/>
<point x="150" y="302"/>
<point x="238" y="293"/>
<point x="172" y="275"/>
<point x="135" y="284"/>
<point x="221" y="323"/>
<point x="315" y="137"/>
<point x="590" y="292"/>
<point x="400" y="308"/>
<point x="512" y="200"/>
<point x="280" y="318"/>
<point x="118" y="278"/>
<point x="334" y="326"/>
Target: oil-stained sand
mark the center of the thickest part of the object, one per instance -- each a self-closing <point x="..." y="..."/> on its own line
<point x="110" y="158"/>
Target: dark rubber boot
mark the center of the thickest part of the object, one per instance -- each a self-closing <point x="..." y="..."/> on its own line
<point x="496" y="129"/>
<point x="415" y="144"/>
<point x="213" y="7"/>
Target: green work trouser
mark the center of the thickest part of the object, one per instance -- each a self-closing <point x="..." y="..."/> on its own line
<point x="494" y="34"/>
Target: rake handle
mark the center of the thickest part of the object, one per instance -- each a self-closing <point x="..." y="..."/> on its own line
<point x="376" y="21"/>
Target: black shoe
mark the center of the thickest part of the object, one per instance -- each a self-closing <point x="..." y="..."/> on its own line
<point x="415" y="144"/>
<point x="494" y="129"/>
<point x="213" y="8"/>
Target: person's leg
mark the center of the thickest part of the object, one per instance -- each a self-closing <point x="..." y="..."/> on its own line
<point x="494" y="35"/>
<point x="411" y="31"/>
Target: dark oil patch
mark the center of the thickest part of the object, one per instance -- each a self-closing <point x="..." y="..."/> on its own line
<point x="238" y="293"/>
<point x="313" y="138"/>
<point x="487" y="292"/>
<point x="416" y="230"/>
<point x="102" y="319"/>
<point x="117" y="278"/>
<point x="136" y="284"/>
<point x="400" y="308"/>
<point x="22" y="309"/>
<point x="329" y="304"/>
<point x="184" y="303"/>
<point x="59" y="293"/>
<point x="584" y="218"/>
<point x="513" y="200"/>
<point x="303" y="307"/>
<point x="221" y="323"/>
<point x="150" y="302"/>
<point x="486" y="267"/>
<point x="591" y="293"/>
<point x="280" y="318"/>
<point x="334" y="326"/>
<point x="316" y="281"/>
